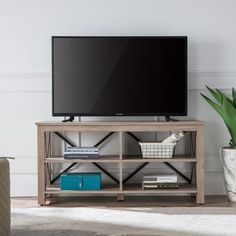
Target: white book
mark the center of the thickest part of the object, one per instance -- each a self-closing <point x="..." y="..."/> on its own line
<point x="82" y="149"/>
<point x="81" y="153"/>
<point x="161" y="178"/>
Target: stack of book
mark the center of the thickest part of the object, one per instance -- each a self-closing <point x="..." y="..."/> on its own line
<point x="165" y="181"/>
<point x="81" y="152"/>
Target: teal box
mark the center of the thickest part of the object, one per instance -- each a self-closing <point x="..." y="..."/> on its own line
<point x="81" y="181"/>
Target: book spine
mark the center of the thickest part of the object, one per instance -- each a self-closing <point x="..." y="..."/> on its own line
<point x="81" y="156"/>
<point x="160" y="186"/>
<point x="81" y="153"/>
<point x="161" y="179"/>
<point x="82" y="149"/>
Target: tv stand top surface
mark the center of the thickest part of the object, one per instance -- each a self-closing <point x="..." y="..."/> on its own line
<point x="121" y="125"/>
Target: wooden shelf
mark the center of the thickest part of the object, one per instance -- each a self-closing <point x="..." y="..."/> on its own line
<point x="137" y="159"/>
<point x="106" y="188"/>
<point x="122" y="126"/>
<point x="128" y="189"/>
<point x="137" y="188"/>
<point x="115" y="159"/>
<point x="102" y="159"/>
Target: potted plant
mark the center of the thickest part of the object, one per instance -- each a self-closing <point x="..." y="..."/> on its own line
<point x="226" y="107"/>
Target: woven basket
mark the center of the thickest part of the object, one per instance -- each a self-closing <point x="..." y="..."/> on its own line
<point x="157" y="150"/>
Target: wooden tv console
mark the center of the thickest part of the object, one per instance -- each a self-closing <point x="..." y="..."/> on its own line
<point x="46" y="160"/>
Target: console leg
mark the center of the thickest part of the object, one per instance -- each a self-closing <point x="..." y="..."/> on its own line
<point x="120" y="197"/>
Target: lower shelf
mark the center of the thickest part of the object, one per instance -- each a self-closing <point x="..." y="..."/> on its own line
<point x="106" y="188"/>
<point x="137" y="188"/>
<point x="128" y="189"/>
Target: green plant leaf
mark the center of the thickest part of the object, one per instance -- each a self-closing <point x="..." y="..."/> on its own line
<point x="216" y="106"/>
<point x="234" y="97"/>
<point x="224" y="96"/>
<point x="218" y="97"/>
<point x="230" y="119"/>
<point x="227" y="111"/>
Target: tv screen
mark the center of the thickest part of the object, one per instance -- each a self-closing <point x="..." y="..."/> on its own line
<point x="119" y="76"/>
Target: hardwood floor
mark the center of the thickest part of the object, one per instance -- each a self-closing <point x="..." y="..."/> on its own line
<point x="130" y="201"/>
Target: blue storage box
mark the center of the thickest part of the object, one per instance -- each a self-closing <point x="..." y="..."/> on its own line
<point x="81" y="181"/>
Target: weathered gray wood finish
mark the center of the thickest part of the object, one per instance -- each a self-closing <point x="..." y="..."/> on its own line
<point x="44" y="157"/>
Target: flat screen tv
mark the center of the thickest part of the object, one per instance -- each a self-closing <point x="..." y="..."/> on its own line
<point x="119" y="76"/>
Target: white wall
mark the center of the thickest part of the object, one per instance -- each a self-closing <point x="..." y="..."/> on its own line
<point x="25" y="55"/>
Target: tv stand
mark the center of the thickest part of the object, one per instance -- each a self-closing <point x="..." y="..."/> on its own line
<point x="71" y="119"/>
<point x="168" y="118"/>
<point x="48" y="158"/>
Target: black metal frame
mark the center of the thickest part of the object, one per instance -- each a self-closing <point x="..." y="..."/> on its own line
<point x="68" y="141"/>
<point x="145" y="163"/>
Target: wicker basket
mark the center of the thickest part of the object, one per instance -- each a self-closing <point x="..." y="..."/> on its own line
<point x="157" y="150"/>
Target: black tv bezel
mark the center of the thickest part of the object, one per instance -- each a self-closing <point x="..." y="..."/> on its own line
<point x="184" y="113"/>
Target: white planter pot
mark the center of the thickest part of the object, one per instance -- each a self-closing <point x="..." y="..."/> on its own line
<point x="228" y="158"/>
